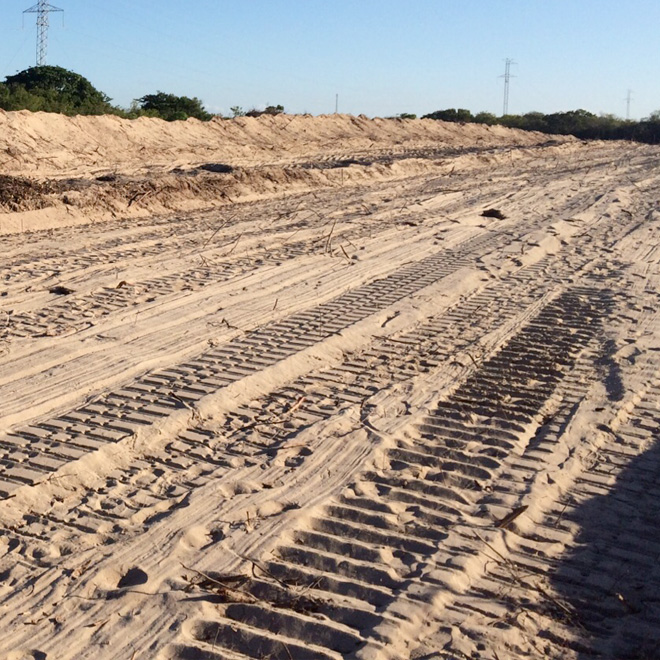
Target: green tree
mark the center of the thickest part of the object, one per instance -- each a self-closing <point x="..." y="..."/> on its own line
<point x="269" y="110"/>
<point x="451" y="114"/>
<point x="53" y="89"/>
<point x="485" y="118"/>
<point x="173" y="108"/>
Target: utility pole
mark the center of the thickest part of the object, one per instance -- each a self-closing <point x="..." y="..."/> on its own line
<point x="42" y="9"/>
<point x="336" y="103"/>
<point x="507" y="77"/>
<point x="628" y="100"/>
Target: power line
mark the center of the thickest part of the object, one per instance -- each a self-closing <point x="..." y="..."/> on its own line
<point x="42" y="9"/>
<point x="507" y="77"/>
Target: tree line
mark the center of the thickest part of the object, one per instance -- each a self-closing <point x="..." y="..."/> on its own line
<point x="54" y="89"/>
<point x="580" y="123"/>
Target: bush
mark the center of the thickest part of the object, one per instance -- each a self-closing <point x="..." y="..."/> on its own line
<point x="269" y="110"/>
<point x="451" y="114"/>
<point x="171" y="107"/>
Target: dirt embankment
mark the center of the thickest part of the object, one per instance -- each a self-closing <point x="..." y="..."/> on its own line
<point x="58" y="170"/>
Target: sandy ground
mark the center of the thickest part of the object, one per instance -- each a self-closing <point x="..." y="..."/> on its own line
<point x="323" y="407"/>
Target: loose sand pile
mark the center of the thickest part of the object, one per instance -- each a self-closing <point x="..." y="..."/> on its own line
<point x="49" y="145"/>
<point x="71" y="170"/>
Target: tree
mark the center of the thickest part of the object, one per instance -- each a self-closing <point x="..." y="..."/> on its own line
<point x="269" y="110"/>
<point x="451" y="114"/>
<point x="53" y="89"/>
<point x="485" y="118"/>
<point x="172" y="108"/>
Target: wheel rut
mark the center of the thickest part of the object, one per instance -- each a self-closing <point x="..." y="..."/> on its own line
<point x="394" y="535"/>
<point x="32" y="453"/>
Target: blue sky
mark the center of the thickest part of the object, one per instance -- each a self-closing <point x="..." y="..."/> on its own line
<point x="381" y="57"/>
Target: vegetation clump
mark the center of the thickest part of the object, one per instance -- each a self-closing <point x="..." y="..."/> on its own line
<point x="171" y="107"/>
<point x="269" y="110"/>
<point x="53" y="89"/>
<point x="580" y="123"/>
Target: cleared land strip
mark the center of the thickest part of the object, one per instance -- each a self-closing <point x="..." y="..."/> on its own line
<point x="362" y="564"/>
<point x="30" y="454"/>
<point x="252" y="435"/>
<point x="105" y="308"/>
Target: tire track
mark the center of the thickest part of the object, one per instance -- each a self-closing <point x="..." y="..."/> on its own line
<point x="158" y="237"/>
<point x="260" y="431"/>
<point x="373" y="552"/>
<point x="579" y="580"/>
<point x="78" y="312"/>
<point x="30" y="454"/>
<point x="385" y="524"/>
<point x="156" y="485"/>
<point x="82" y="311"/>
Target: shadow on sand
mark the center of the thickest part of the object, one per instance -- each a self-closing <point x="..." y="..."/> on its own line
<point x="611" y="579"/>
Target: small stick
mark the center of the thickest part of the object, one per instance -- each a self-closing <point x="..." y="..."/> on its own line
<point x="510" y="517"/>
<point x="228" y="578"/>
<point x="296" y="405"/>
<point x="235" y="244"/>
<point x="263" y="570"/>
<point x="212" y="236"/>
<point x="327" y="243"/>
<point x="471" y="358"/>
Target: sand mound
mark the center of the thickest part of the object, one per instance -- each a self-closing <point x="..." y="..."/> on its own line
<point x="50" y="145"/>
<point x="61" y="170"/>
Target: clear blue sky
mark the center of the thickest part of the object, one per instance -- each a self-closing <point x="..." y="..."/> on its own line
<point x="382" y="57"/>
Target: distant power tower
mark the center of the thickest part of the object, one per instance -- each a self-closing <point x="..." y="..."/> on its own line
<point x="628" y="100"/>
<point x="507" y="78"/>
<point x="42" y="9"/>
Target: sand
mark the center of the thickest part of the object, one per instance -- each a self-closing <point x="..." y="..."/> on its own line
<point x="317" y="405"/>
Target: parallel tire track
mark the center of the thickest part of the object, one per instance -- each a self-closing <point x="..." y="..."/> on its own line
<point x="362" y="553"/>
<point x="30" y="454"/>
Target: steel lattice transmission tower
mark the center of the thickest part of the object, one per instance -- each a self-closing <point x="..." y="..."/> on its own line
<point x="507" y="77"/>
<point x="628" y="99"/>
<point x="42" y="9"/>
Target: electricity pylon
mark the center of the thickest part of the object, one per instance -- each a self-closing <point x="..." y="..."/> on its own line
<point x="507" y="77"/>
<point x="42" y="9"/>
<point x="628" y="99"/>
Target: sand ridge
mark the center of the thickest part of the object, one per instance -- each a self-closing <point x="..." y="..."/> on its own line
<point x="64" y="171"/>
